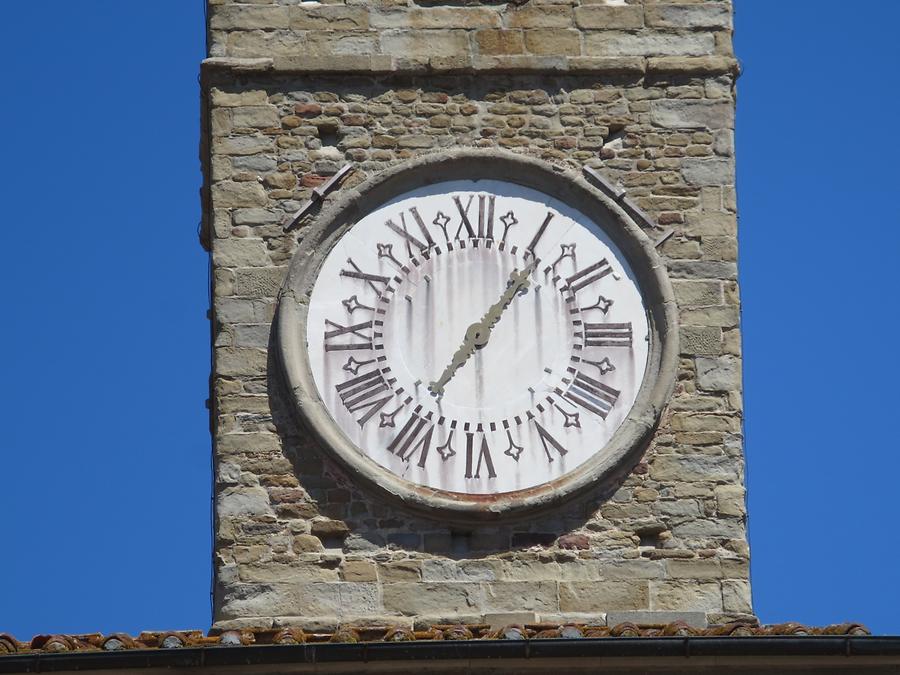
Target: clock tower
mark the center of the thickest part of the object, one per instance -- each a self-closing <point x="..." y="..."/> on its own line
<point x="475" y="315"/>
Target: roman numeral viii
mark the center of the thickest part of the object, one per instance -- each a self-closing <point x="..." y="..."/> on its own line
<point x="607" y="334"/>
<point x="592" y="395"/>
<point x="364" y="392"/>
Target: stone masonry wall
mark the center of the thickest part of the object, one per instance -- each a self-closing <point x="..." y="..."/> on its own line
<point x="644" y="93"/>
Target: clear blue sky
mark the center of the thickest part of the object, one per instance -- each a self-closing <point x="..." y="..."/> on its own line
<point x="105" y="453"/>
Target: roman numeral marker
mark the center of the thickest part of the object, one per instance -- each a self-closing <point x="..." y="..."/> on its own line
<point x="464" y="214"/>
<point x="362" y="393"/>
<point x="484" y="454"/>
<point x="413" y="436"/>
<point x="486" y="220"/>
<point x="371" y="279"/>
<point x="592" y="395"/>
<point x="355" y="330"/>
<point x="539" y="233"/>
<point x="607" y="334"/>
<point x="405" y="234"/>
<point x="548" y="441"/>
<point x="588" y="275"/>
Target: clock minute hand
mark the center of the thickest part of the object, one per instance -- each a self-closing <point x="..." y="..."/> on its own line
<point x="478" y="334"/>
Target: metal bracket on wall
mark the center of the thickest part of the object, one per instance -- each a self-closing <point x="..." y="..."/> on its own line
<point x="618" y="193"/>
<point x="318" y="194"/>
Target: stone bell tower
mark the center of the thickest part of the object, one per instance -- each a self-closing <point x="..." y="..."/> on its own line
<point x="303" y="101"/>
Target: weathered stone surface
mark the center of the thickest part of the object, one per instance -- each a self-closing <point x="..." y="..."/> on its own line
<point x="657" y="617"/>
<point x="692" y="468"/>
<point x="686" y="595"/>
<point x="255" y="116"/>
<point x="227" y="194"/>
<point x="243" y="501"/>
<point x="512" y="596"/>
<point x="690" y="114"/>
<point x="700" y="15"/>
<point x="432" y="598"/>
<point x="708" y="171"/>
<point x="722" y="373"/>
<point x="730" y="500"/>
<point x="588" y="596"/>
<point x="609" y="43"/>
<point x="609" y="16"/>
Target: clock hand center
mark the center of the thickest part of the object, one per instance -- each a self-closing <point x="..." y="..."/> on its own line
<point x="478" y="333"/>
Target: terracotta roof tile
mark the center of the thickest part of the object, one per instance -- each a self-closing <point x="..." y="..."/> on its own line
<point x="354" y="634"/>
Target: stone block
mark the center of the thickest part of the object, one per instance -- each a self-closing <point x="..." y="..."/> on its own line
<point x="427" y="42"/>
<point x="515" y="596"/>
<point x="702" y="269"/>
<point x="736" y="596"/>
<point x="605" y="596"/>
<point x="358" y="570"/>
<point x="696" y="340"/>
<point x="432" y="598"/>
<point x="695" y="596"/>
<point x="244" y="17"/>
<point x="443" y="569"/>
<point x="692" y="468"/>
<point x="606" y="17"/>
<point x="262" y="282"/>
<point x="441" y="18"/>
<point x="657" y="618"/>
<point x="260" y="116"/>
<point x="731" y="500"/>
<point x="243" y="501"/>
<point x="235" y="362"/>
<point x="628" y="570"/>
<point x="403" y="570"/>
<point x="228" y="194"/>
<point x="722" y="373"/>
<point x="699" y="15"/>
<point x="697" y="293"/>
<point x="553" y="41"/>
<point x="612" y="43"/>
<point x="238" y="98"/>
<point x="492" y="41"/>
<point x="240" y="252"/>
<point x="708" y="171"/>
<point x="692" y="114"/>
<point x="539" y="16"/>
<point x="328" y="17"/>
<point x="242" y="145"/>
<point x="694" y="568"/>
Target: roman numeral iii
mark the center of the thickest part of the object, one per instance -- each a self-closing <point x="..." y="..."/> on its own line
<point x="607" y="334"/>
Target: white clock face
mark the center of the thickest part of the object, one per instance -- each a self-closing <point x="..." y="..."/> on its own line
<point x="477" y="337"/>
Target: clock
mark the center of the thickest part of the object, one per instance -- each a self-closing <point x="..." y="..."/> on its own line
<point x="478" y="334"/>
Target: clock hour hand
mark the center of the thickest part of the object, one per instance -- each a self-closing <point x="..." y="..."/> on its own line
<point x="478" y="334"/>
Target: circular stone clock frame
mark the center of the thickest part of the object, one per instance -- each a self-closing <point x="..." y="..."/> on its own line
<point x="472" y="164"/>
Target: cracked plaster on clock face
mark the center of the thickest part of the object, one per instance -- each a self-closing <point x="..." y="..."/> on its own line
<point x="561" y="364"/>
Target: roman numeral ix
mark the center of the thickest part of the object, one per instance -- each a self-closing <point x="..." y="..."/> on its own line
<point x="355" y="330"/>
